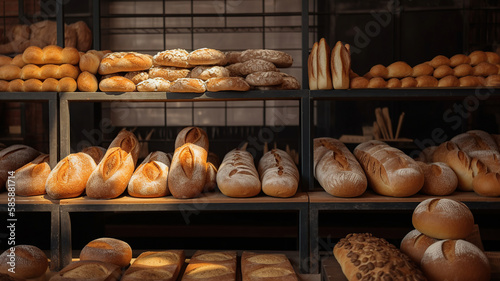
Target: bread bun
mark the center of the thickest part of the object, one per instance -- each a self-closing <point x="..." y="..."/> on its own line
<point x="449" y="81"/>
<point x="443" y="219"/>
<point x="376" y="83"/>
<point x="414" y="245"/>
<point x="484" y="69"/>
<point x="457" y="260"/>
<point x="462" y="70"/>
<point x="422" y="69"/>
<point x="393" y="83"/>
<point x="378" y="70"/>
<point x="408" y="82"/>
<point x="109" y="250"/>
<point x="477" y="57"/>
<point x="439" y="60"/>
<point x="87" y="82"/>
<point x="426" y="82"/>
<point x="359" y="83"/>
<point x="29" y="262"/>
<point x="398" y="69"/>
<point x="459" y="59"/>
<point x="493" y="81"/>
<point x="439" y="179"/>
<point x="442" y="71"/>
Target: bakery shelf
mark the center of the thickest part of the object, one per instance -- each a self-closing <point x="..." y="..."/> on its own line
<point x="213" y="201"/>
<point x="408" y="94"/>
<point x="37" y="204"/>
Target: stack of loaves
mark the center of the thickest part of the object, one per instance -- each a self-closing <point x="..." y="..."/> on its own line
<point x="477" y="69"/>
<point x="51" y="69"/>
<point x="439" y="243"/>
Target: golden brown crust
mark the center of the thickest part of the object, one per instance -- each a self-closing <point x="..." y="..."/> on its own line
<point x="10" y="72"/>
<point x="207" y="72"/>
<point x="439" y="179"/>
<point x="459" y="59"/>
<point x="108" y="250"/>
<point x="477" y="57"/>
<point x="194" y="135"/>
<point x="237" y="175"/>
<point x="188" y="171"/>
<point x="174" y="57"/>
<point x="340" y="66"/>
<point x="51" y="54"/>
<point x="169" y="73"/>
<point x="442" y="71"/>
<point x="492" y="57"/>
<point x="227" y="84"/>
<point x="408" y="82"/>
<point x="422" y="69"/>
<point x="137" y="76"/>
<point x="116" y="84"/>
<point x="484" y="69"/>
<point x="414" y="245"/>
<point x="87" y="82"/>
<point x="377" y="82"/>
<point x="398" y="69"/>
<point x="150" y="177"/>
<point x="267" y="78"/>
<point x="88" y="270"/>
<point x="449" y="81"/>
<point x="439" y="60"/>
<point x="359" y="83"/>
<point x="188" y="85"/>
<point x="13" y="158"/>
<point x="276" y="267"/>
<point x="155" y="265"/>
<point x="379" y="70"/>
<point x="312" y="67"/>
<point x="90" y="62"/>
<point x="157" y="84"/>
<point x="278" y="174"/>
<point x="30" y="262"/>
<point x="426" y="82"/>
<point x="206" y="56"/>
<point x="462" y="70"/>
<point x="31" y="178"/>
<point x="124" y="62"/>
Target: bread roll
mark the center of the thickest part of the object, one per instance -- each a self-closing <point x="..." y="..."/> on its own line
<point x="455" y="260"/>
<point x="111" y="176"/>
<point x="462" y="70"/>
<point x="426" y="82"/>
<point x="88" y="270"/>
<point x="359" y="83"/>
<point x="340" y="66"/>
<point x="174" y="57"/>
<point x="10" y="72"/>
<point x="449" y="81"/>
<point x="16" y="85"/>
<point x="279" y="58"/>
<point x="96" y="152"/>
<point x="439" y="179"/>
<point x="31" y="178"/>
<point x="365" y="257"/>
<point x="337" y="170"/>
<point x="439" y="60"/>
<point x="155" y="265"/>
<point x="188" y="85"/>
<point x="169" y="73"/>
<point x="484" y="69"/>
<point x="279" y="175"/>
<point x="138" y="76"/>
<point x="442" y="71"/>
<point x="30" y="262"/>
<point x="389" y="171"/>
<point x="32" y="85"/>
<point x="376" y="83"/>
<point x="13" y="158"/>
<point x="90" y="62"/>
<point x="414" y="245"/>
<point x="408" y="82"/>
<point x="394" y="83"/>
<point x="422" y="69"/>
<point x="399" y="69"/>
<point x="108" y="250"/>
<point x="211" y="266"/>
<point x="477" y="57"/>
<point x="443" y="219"/>
<point x="459" y="59"/>
<point x="312" y="67"/>
<point x="207" y="72"/>
<point x="237" y="175"/>
<point x="255" y="266"/>
<point x="5" y="60"/>
<point x="4" y="86"/>
<point x="267" y="78"/>
<point x="157" y="84"/>
<point x="116" y="84"/>
<point x="469" y="81"/>
<point x="324" y="73"/>
<point x="378" y="70"/>
<point x="124" y="62"/>
<point x="87" y="82"/>
<point x="150" y="178"/>
<point x="492" y="81"/>
<point x="31" y="71"/>
<point x="18" y="61"/>
<point x="194" y="135"/>
<point x="188" y="171"/>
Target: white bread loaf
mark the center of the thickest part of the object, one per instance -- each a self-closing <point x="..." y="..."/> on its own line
<point x="255" y="266"/>
<point x="13" y="158"/>
<point x="211" y="266"/>
<point x="88" y="270"/>
<point x="188" y="171"/>
<point x="109" y="250"/>
<point x="150" y="178"/>
<point x="278" y="173"/>
<point x="365" y="257"/>
<point x="337" y="170"/>
<point x="111" y="176"/>
<point x="30" y="262"/>
<point x="124" y="62"/>
<point x="340" y="65"/>
<point x="155" y="265"/>
<point x="10" y="72"/>
<point x="31" y="178"/>
<point x="389" y="171"/>
<point x="237" y="175"/>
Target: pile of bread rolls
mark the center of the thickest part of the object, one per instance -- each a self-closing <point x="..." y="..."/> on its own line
<point x="439" y="245"/>
<point x="329" y="69"/>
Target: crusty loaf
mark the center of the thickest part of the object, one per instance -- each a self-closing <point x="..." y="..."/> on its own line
<point x="227" y="84"/>
<point x="474" y="140"/>
<point x="96" y="152"/>
<point x="268" y="266"/>
<point x="414" y="245"/>
<point x="30" y="262"/>
<point x="87" y="82"/>
<point x="389" y="171"/>
<point x="211" y="266"/>
<point x="337" y="170"/>
<point x="211" y="179"/>
<point x="237" y="175"/>
<point x="155" y="265"/>
<point x="150" y="178"/>
<point x="324" y="70"/>
<point x="206" y="56"/>
<point x="13" y="158"/>
<point x="278" y="173"/>
<point x="156" y="84"/>
<point x="30" y="71"/>
<point x="439" y="179"/>
<point x="312" y="67"/>
<point x="169" y="73"/>
<point x="206" y="72"/>
<point x="138" y="76"/>
<point x="365" y="257"/>
<point x="69" y="177"/>
<point x="194" y="135"/>
<point x="188" y="85"/>
<point x="188" y="171"/>
<point x="111" y="176"/>
<point x="88" y="270"/>
<point x="116" y="84"/>
<point x="264" y="78"/>
<point x="340" y="65"/>
<point x="174" y="57"/>
<point x="90" y="62"/>
<point x="124" y="62"/>
<point x="108" y="250"/>
<point x="279" y="58"/>
<point x="31" y="178"/>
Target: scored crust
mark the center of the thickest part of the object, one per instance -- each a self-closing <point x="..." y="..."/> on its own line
<point x="227" y="84"/>
<point x="174" y="57"/>
<point x="268" y="78"/>
<point x="206" y="56"/>
<point x="124" y="62"/>
<point x="207" y="72"/>
<point x="157" y="84"/>
<point x="279" y="58"/>
<point x="188" y="85"/>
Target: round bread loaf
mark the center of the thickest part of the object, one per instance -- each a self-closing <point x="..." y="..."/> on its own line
<point x="29" y="262"/>
<point x="194" y="135"/>
<point x="393" y="83"/>
<point x="107" y="249"/>
<point x="30" y="178"/>
<point x="457" y="260"/>
<point x="414" y="245"/>
<point x="439" y="179"/>
<point x="279" y="58"/>
<point x="87" y="82"/>
<point x="443" y="219"/>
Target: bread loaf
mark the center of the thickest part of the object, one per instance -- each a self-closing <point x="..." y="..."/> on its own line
<point x="194" y="135"/>
<point x="459" y="59"/>
<point x="324" y="70"/>
<point x="477" y="57"/>
<point x="111" y="176"/>
<point x="10" y="72"/>
<point x="426" y="82"/>
<point x="116" y="84"/>
<point x="414" y="245"/>
<point x="13" y="158"/>
<point x="138" y="76"/>
<point x="51" y="54"/>
<point x="455" y="260"/>
<point x="157" y="84"/>
<point x="487" y="184"/>
<point x="87" y="82"/>
<point x="31" y="71"/>
<point x="211" y="266"/>
<point x="169" y="73"/>
<point x="439" y="179"/>
<point x="267" y="78"/>
<point x="175" y="57"/>
<point x="4" y="86"/>
<point x="18" y="61"/>
<point x="422" y="69"/>
<point x="255" y="266"/>
<point x="108" y="250"/>
<point x="279" y="58"/>
<point x="376" y="83"/>
<point x="237" y="175"/>
<point x="443" y="219"/>
<point x="30" y="262"/>
<point x="492" y="81"/>
<point x="233" y="57"/>
<point x="439" y="60"/>
<point x="66" y="84"/>
<point x="207" y="72"/>
<point x="206" y="56"/>
<point x="312" y="67"/>
<point x="96" y="152"/>
<point x="31" y="178"/>
<point x="365" y="257"/>
<point x="484" y="69"/>
<point x="278" y="173"/>
<point x="408" y="82"/>
<point x="155" y="265"/>
<point x="399" y="69"/>
<point x="442" y="71"/>
<point x="88" y="270"/>
<point x="474" y="140"/>
<point x="237" y="84"/>
<point x="188" y="85"/>
<point x="389" y="171"/>
<point x="188" y="171"/>
<point x="124" y="62"/>
<point x="90" y="62"/>
<point x="337" y="170"/>
<point x="340" y="66"/>
<point x="359" y="83"/>
<point x="150" y="178"/>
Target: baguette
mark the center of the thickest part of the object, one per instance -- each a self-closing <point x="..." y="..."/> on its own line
<point x="312" y="67"/>
<point x="279" y="175"/>
<point x="337" y="170"/>
<point x="211" y="266"/>
<point x="161" y="265"/>
<point x="31" y="178"/>
<point x="13" y="158"/>
<point x="237" y="175"/>
<point x="188" y="171"/>
<point x="88" y="270"/>
<point x="389" y="171"/>
<point x="256" y="266"/>
<point x="150" y="178"/>
<point x="111" y="176"/>
<point x="324" y="73"/>
<point x="341" y="66"/>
